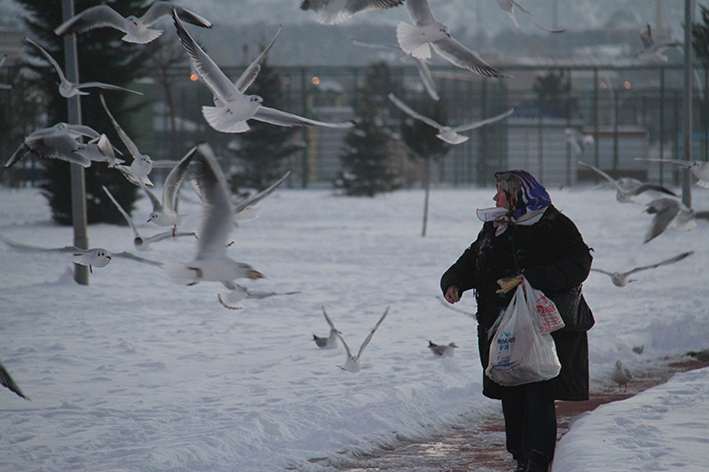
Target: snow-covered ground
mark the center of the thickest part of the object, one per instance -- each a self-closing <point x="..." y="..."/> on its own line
<point x="137" y="373"/>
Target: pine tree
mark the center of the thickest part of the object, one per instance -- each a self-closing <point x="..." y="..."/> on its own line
<point x="103" y="57"/>
<point x="367" y="157"/>
<point x="554" y="95"/>
<point x="263" y="149"/>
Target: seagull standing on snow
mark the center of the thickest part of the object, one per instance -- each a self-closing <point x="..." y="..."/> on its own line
<point x="442" y="350"/>
<point x="625" y="193"/>
<point x="621" y="375"/>
<point x="137" y="30"/>
<point x="427" y="33"/>
<point x="233" y="107"/>
<point x="68" y="89"/>
<point x="211" y="262"/>
<point x="699" y="169"/>
<point x="329" y="342"/>
<point x="59" y="142"/>
<point x="142" y="165"/>
<point x="165" y="213"/>
<point x="6" y="381"/>
<point x="671" y="211"/>
<point x="352" y="364"/>
<point x="447" y="133"/>
<point x="140" y="242"/>
<point x="621" y="279"/>
<point x="509" y="7"/>
<point x="330" y="12"/>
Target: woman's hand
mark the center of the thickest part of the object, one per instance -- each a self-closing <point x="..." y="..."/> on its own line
<point x="452" y="294"/>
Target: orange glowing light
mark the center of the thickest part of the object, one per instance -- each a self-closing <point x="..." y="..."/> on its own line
<point x="316" y="81"/>
<point x="604" y="85"/>
<point x="194" y="78"/>
<point x="626" y="84"/>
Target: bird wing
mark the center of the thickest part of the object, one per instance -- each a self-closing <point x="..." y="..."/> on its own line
<point x="174" y="180"/>
<point x="685" y="164"/>
<point x="533" y="20"/>
<point x="133" y="257"/>
<point x="487" y="121"/>
<point x="217" y="214"/>
<point x="426" y="78"/>
<point x="251" y="72"/>
<point x="665" y="210"/>
<point x="7" y="381"/>
<point x="405" y="108"/>
<point x="132" y="148"/>
<point x="51" y="60"/>
<point x="601" y="173"/>
<point x="259" y="196"/>
<point x="282" y="118"/>
<point x="83" y="130"/>
<point x="602" y="271"/>
<point x="671" y="260"/>
<point x="105" y="87"/>
<point x="61" y="146"/>
<point x="29" y="247"/>
<point x="216" y="80"/>
<point x="151" y="196"/>
<point x="371" y="333"/>
<point x="646" y="37"/>
<point x="644" y="187"/>
<point x="159" y="9"/>
<point x="344" y="343"/>
<point x="458" y="55"/>
<point x="327" y="318"/>
<point x="420" y="12"/>
<point x="125" y="214"/>
<point x="167" y="235"/>
<point x="94" y="17"/>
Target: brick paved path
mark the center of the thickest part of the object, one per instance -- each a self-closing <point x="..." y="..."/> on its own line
<point x="481" y="447"/>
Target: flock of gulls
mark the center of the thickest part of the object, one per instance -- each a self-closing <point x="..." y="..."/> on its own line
<point x="234" y="107"/>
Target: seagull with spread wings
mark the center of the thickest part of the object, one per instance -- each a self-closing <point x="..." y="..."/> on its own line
<point x="509" y="7"/>
<point x="671" y="212"/>
<point x="353" y="363"/>
<point x="448" y="134"/>
<point x="427" y="33"/>
<point x="137" y="30"/>
<point x="699" y="169"/>
<point x="652" y="51"/>
<point x="621" y="279"/>
<point x="329" y="342"/>
<point x="625" y="193"/>
<point x="330" y="12"/>
<point x="233" y="108"/>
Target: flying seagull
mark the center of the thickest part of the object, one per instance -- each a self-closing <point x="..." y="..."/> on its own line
<point x="232" y="299"/>
<point x="699" y="169"/>
<point x="671" y="212"/>
<point x="621" y="279"/>
<point x="330" y="12"/>
<point x="60" y="142"/>
<point x="652" y="51"/>
<point x="421" y="66"/>
<point x="142" y="165"/>
<point x="137" y="30"/>
<point x="211" y="262"/>
<point x="165" y="213"/>
<point x="69" y="89"/>
<point x="247" y="210"/>
<point x="621" y="375"/>
<point x="442" y="350"/>
<point x="626" y="193"/>
<point x="233" y="107"/>
<point x="95" y="257"/>
<point x="509" y="7"/>
<point x="577" y="140"/>
<point x="447" y="133"/>
<point x="427" y="33"/>
<point x="7" y="381"/>
<point x="140" y="242"/>
<point x="352" y="364"/>
<point x="329" y="342"/>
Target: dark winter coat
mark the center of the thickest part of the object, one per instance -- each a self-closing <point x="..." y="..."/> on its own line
<point x="553" y="257"/>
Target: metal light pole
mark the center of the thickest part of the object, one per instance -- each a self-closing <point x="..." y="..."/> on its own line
<point x="687" y="107"/>
<point x="78" y="183"/>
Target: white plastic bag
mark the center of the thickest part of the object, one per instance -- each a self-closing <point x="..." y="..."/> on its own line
<point x="549" y="318"/>
<point x="519" y="352"/>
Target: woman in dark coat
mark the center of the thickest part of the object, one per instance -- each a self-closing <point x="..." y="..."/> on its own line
<point x="525" y="235"/>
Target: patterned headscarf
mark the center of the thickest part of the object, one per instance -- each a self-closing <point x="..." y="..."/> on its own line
<point x="526" y="197"/>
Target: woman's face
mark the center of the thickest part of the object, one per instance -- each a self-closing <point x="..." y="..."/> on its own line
<point x="501" y="197"/>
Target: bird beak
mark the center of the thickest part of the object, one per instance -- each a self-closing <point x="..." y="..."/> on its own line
<point x="255" y="275"/>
